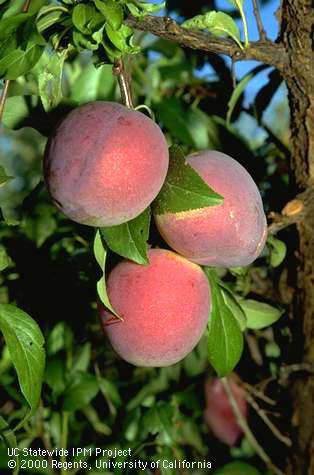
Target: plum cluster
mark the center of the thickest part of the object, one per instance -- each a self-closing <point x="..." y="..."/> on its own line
<point x="104" y="164"/>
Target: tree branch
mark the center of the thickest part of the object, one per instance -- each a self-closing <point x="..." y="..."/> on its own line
<point x="247" y="431"/>
<point x="293" y="212"/>
<point x="285" y="440"/>
<point x="262" y="32"/>
<point x="265" y="51"/>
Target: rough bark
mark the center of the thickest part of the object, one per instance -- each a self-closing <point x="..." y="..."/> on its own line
<point x="164" y="27"/>
<point x="292" y="55"/>
<point x="296" y="36"/>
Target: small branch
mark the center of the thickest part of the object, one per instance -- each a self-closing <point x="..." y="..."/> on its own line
<point x="233" y="75"/>
<point x="285" y="440"/>
<point x="3" y="97"/>
<point x="292" y="213"/>
<point x="265" y="51"/>
<point x="118" y="70"/>
<point x="254" y="349"/>
<point x="286" y="371"/>
<point x="247" y="431"/>
<point x="259" y="394"/>
<point x="280" y="222"/>
<point x="257" y="14"/>
<point x="26" y="6"/>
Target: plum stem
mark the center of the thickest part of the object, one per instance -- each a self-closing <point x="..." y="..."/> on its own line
<point x="247" y="431"/>
<point x="118" y="70"/>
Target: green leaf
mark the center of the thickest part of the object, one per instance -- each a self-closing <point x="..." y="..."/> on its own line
<point x="16" y="109"/>
<point x="40" y="226"/>
<point x="139" y="9"/>
<point x="225" y="339"/>
<point x="173" y="116"/>
<point x="93" y="83"/>
<point x="196" y="362"/>
<point x="110" y="393"/>
<point x="189" y="434"/>
<point x="100" y="253"/>
<point x="217" y="23"/>
<point x="4" y="178"/>
<point x="239" y="5"/>
<point x="183" y="188"/>
<point x="236" y="3"/>
<point x="55" y="375"/>
<point x="82" y="359"/>
<point x="82" y="41"/>
<point x="92" y="416"/>
<point x="234" y="307"/>
<point x="59" y="338"/>
<point x="258" y="314"/>
<point x="154" y="386"/>
<point x="112" y="11"/>
<point x="189" y="125"/>
<point x="278" y="250"/>
<point x="129" y="239"/>
<point x="19" y="61"/>
<point x="82" y="390"/>
<point x="5" y="260"/>
<point x="272" y="350"/>
<point x="50" y="68"/>
<point x="26" y="345"/>
<point x="48" y="16"/>
<point x="14" y="8"/>
<point x="122" y="38"/>
<point x="99" y="250"/>
<point x="151" y="7"/>
<point x="8" y="26"/>
<point x="199" y="125"/>
<point x="236" y="95"/>
<point x="9" y="438"/>
<point x="237" y="468"/>
<point x="86" y="18"/>
<point x="159" y="420"/>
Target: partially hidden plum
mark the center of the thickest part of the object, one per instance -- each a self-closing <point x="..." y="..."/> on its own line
<point x="228" y="235"/>
<point x="104" y="163"/>
<point x="165" y="306"/>
<point x="219" y="415"/>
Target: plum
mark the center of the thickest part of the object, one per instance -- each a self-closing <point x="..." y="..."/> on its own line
<point x="219" y="415"/>
<point x="228" y="235"/>
<point x="105" y="163"/>
<point x="165" y="306"/>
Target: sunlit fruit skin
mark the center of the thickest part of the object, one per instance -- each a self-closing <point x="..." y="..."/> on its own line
<point x="219" y="415"/>
<point x="228" y="235"/>
<point x="104" y="163"/>
<point x="165" y="306"/>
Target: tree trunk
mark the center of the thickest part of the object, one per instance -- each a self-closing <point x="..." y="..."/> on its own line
<point x="296" y="32"/>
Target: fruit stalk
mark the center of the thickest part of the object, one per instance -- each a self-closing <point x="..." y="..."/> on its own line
<point x="118" y="70"/>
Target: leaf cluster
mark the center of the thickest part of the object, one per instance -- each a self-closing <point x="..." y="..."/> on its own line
<point x="96" y="25"/>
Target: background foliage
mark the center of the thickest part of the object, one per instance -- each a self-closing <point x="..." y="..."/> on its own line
<point x="47" y="267"/>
